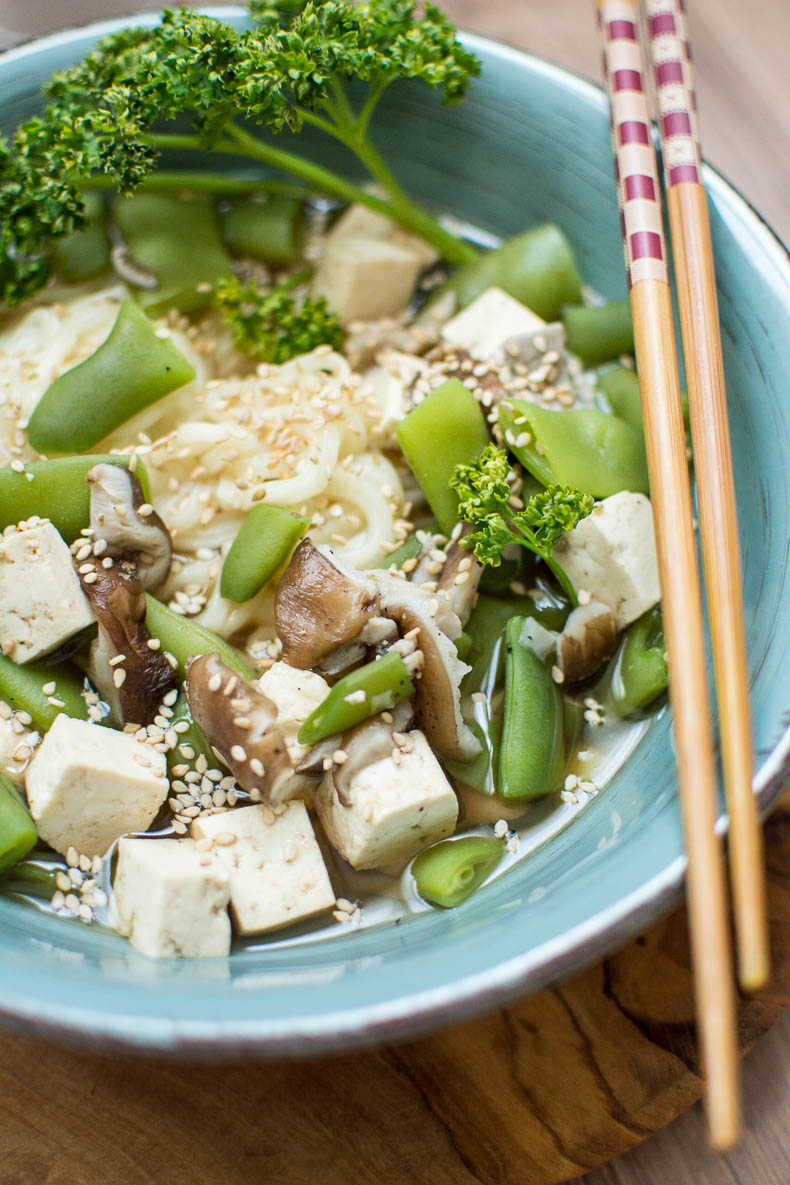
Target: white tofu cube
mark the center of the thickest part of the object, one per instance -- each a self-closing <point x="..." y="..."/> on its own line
<point x="171" y="900"/>
<point x="488" y="322"/>
<point x="87" y="785"/>
<point x="612" y="554"/>
<point x="393" y="810"/>
<point x="41" y="601"/>
<point x="360" y="222"/>
<point x="365" y="279"/>
<point x="297" y="694"/>
<point x="276" y="870"/>
<point x="16" y="746"/>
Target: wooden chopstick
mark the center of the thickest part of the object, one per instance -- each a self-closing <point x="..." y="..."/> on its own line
<point x="695" y="280"/>
<point x="651" y="308"/>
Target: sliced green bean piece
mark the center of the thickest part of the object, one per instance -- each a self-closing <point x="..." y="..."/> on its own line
<point x="620" y="385"/>
<point x="374" y="688"/>
<point x="57" y="490"/>
<point x="486" y="627"/>
<point x="192" y="737"/>
<point x="22" y="688"/>
<point x="265" y="540"/>
<point x="536" y="267"/>
<point x="450" y="871"/>
<point x="130" y="370"/>
<point x="479" y="772"/>
<point x="17" y="830"/>
<point x="598" y="332"/>
<point x="178" y="241"/>
<point x="272" y="231"/>
<point x="532" y="751"/>
<point x="447" y="429"/>
<point x="34" y="877"/>
<point x="639" y="674"/>
<point x="186" y="639"/>
<point x="588" y="449"/>
<point x="85" y="253"/>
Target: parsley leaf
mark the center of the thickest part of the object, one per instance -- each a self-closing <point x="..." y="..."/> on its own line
<point x="273" y="326"/>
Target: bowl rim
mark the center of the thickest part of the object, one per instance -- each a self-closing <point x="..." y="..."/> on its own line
<point x="414" y="1013"/>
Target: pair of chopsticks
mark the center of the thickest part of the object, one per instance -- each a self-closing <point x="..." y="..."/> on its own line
<point x="651" y="307"/>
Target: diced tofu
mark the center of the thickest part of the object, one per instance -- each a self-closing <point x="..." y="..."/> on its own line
<point x="360" y="222"/>
<point x="41" y="601"/>
<point x="276" y="870"/>
<point x="171" y="900"/>
<point x="88" y="784"/>
<point x="16" y="746"/>
<point x="487" y="323"/>
<point x="394" y="810"/>
<point x="365" y="279"/>
<point x="296" y="693"/>
<point x="612" y="554"/>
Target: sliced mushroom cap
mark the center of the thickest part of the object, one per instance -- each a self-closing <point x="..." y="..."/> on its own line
<point x="437" y="701"/>
<point x="240" y="722"/>
<point x="460" y="577"/>
<point x="142" y="539"/>
<point x="320" y="607"/>
<point x="133" y="678"/>
<point x="587" y="641"/>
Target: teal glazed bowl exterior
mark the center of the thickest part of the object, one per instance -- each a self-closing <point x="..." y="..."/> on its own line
<point x="530" y="143"/>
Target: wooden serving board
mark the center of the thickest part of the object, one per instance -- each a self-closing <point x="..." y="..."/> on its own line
<point x="533" y="1095"/>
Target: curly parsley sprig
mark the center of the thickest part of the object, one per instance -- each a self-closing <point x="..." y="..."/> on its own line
<point x="274" y="326"/>
<point x="484" y="495"/>
<point x="103" y="122"/>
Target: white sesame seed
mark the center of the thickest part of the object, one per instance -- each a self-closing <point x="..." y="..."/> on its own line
<point x="153" y="644"/>
<point x="49" y="688"/>
<point x="557" y="675"/>
<point x="62" y="881"/>
<point x="500" y="828"/>
<point x="72" y="857"/>
<point x="116" y="658"/>
<point x="58" y="899"/>
<point x="571" y="782"/>
<point x="91" y="578"/>
<point x="119" y="676"/>
<point x="145" y="510"/>
<point x="238" y="753"/>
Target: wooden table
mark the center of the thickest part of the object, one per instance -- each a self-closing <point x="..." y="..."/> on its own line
<point x="74" y="1119"/>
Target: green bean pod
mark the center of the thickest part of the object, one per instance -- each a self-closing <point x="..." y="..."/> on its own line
<point x="447" y="429"/>
<point x="447" y="873"/>
<point x="130" y="370"/>
<point x="186" y="639"/>
<point x="595" y="333"/>
<point x="192" y="738"/>
<point x="588" y="449"/>
<point x="264" y="542"/>
<point x="22" y="688"/>
<point x="34" y="878"/>
<point x="84" y="253"/>
<point x="639" y="674"/>
<point x="57" y="490"/>
<point x="178" y="241"/>
<point x="620" y="385"/>
<point x="17" y="830"/>
<point x="373" y="688"/>
<point x="536" y="267"/>
<point x="487" y="623"/>
<point x="272" y="231"/>
<point x="532" y="750"/>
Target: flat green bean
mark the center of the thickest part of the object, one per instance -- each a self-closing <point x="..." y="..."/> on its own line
<point x="57" y="490"/>
<point x="620" y="385"/>
<point x="186" y="639"/>
<point x="532" y="750"/>
<point x="178" y="241"/>
<point x="264" y="542"/>
<point x="598" y="332"/>
<point x="192" y="737"/>
<point x="130" y="370"/>
<point x="272" y="231"/>
<point x="22" y="688"/>
<point x="536" y="267"/>
<point x="447" y="873"/>
<point x="85" y="253"/>
<point x="446" y="430"/>
<point x="35" y="878"/>
<point x="639" y="670"/>
<point x="587" y="449"/>
<point x="17" y="830"/>
<point x="376" y="687"/>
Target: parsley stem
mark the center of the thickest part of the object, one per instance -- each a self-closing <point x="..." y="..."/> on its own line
<point x="168" y="180"/>
<point x="401" y="210"/>
<point x="548" y="559"/>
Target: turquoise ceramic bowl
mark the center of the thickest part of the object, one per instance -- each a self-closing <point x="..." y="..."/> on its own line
<point x="530" y="143"/>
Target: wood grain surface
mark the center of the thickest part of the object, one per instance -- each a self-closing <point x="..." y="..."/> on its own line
<point x="557" y="1084"/>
